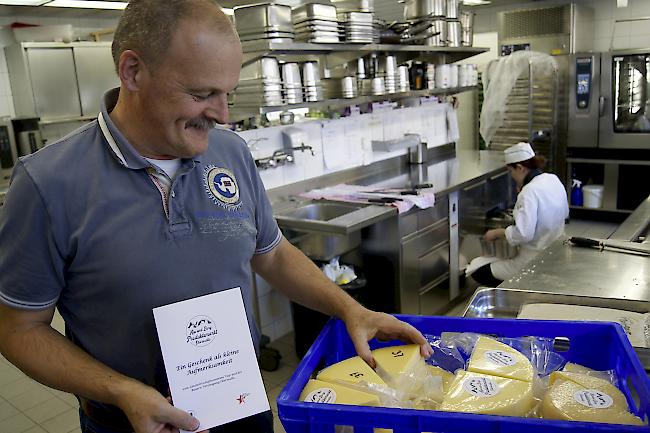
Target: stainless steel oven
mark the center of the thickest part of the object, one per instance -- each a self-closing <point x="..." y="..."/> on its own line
<point x="609" y="100"/>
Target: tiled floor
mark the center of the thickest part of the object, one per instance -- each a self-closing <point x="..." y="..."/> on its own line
<point x="29" y="407"/>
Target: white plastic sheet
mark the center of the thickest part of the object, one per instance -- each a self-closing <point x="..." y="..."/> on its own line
<point x="500" y="78"/>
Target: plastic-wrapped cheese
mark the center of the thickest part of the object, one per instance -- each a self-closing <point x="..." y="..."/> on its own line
<point x="395" y="361"/>
<point x="352" y="370"/>
<point x="401" y="367"/>
<point x="481" y="393"/>
<point x="446" y="376"/>
<point x="567" y="400"/>
<point x="587" y="382"/>
<point x="497" y="359"/>
<point x="577" y="368"/>
<point x="317" y="391"/>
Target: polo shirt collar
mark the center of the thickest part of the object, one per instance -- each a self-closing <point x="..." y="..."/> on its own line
<point x="124" y="151"/>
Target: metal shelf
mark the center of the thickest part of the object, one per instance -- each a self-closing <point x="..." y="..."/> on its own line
<point x="241" y="112"/>
<point x="255" y="50"/>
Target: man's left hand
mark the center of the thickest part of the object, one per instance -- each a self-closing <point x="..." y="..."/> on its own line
<point x="364" y="324"/>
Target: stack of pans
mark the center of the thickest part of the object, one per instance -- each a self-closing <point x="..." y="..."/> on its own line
<point x="313" y="88"/>
<point x="292" y="83"/>
<point x="316" y="22"/>
<point x="267" y="21"/>
<point x="390" y="80"/>
<point x="358" y="26"/>
<point x="259" y="84"/>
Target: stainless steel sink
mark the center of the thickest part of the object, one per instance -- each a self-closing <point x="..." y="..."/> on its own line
<point x="321" y="211"/>
<point x="330" y="217"/>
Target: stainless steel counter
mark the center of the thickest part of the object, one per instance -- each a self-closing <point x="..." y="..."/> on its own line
<point x="567" y="269"/>
<point x="411" y="260"/>
<point x="447" y="170"/>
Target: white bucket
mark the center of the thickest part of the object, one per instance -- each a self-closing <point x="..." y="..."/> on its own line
<point x="593" y="196"/>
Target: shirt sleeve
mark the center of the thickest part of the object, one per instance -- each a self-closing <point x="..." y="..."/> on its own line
<point x="31" y="266"/>
<point x="523" y="230"/>
<point x="268" y="232"/>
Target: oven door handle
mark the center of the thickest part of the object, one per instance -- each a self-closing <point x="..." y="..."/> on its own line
<point x="601" y="106"/>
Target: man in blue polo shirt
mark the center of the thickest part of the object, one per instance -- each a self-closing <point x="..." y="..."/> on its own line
<point x="148" y="205"/>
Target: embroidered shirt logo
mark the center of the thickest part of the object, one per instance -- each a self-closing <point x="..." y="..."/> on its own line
<point x="221" y="186"/>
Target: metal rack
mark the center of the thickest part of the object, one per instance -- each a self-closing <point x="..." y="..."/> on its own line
<point x="532" y="114"/>
<point x="342" y="53"/>
<point x="239" y="112"/>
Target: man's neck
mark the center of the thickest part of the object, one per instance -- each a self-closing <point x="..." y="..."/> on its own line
<point x="126" y="120"/>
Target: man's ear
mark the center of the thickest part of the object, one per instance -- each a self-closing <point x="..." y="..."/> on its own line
<point x="130" y="69"/>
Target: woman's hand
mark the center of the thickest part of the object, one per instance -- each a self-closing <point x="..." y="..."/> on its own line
<point x="364" y="324"/>
<point x="494" y="234"/>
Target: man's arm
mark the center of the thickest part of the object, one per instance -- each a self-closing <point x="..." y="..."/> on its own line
<point x="287" y="269"/>
<point x="29" y="342"/>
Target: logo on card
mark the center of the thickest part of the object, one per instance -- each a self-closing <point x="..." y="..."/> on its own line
<point x="242" y="398"/>
<point x="200" y="331"/>
<point x="221" y="186"/>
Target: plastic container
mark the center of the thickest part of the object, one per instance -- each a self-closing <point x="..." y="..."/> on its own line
<point x="601" y="346"/>
<point x="593" y="196"/>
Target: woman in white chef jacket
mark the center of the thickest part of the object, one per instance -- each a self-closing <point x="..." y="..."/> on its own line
<point x="539" y="214"/>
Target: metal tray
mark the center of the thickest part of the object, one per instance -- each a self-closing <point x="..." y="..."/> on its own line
<point x="507" y="303"/>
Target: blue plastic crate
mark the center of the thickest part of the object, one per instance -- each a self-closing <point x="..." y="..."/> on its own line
<point x="602" y="346"/>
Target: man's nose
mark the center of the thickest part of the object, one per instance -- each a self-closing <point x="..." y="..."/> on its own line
<point x="218" y="108"/>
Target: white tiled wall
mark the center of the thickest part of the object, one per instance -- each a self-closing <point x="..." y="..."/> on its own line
<point x="608" y="33"/>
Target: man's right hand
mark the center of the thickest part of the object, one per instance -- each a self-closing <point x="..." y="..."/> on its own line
<point x="150" y="412"/>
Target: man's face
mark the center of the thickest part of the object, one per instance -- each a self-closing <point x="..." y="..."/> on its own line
<point x="183" y="97"/>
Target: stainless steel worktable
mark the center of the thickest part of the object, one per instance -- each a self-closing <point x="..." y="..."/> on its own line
<point x="579" y="271"/>
<point x="563" y="268"/>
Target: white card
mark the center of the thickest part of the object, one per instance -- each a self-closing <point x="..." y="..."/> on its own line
<point x="210" y="359"/>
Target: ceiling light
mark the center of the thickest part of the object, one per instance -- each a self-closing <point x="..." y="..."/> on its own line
<point x="88" y="4"/>
<point x="476" y="2"/>
<point x="23" y="2"/>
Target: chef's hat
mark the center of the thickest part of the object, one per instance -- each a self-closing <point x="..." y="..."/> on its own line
<point x="521" y="151"/>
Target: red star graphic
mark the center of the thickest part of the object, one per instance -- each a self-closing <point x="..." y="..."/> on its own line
<point x="241" y="399"/>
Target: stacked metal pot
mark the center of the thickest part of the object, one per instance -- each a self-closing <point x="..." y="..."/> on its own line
<point x="436" y="23"/>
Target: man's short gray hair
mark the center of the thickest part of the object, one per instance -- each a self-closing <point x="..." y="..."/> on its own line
<point x="147" y="26"/>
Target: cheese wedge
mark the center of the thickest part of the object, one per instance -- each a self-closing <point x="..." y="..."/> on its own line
<point x="446" y="376"/>
<point x="394" y="362"/>
<point x="577" y="368"/>
<point x="567" y="400"/>
<point x="497" y="359"/>
<point x="352" y="370"/>
<point x="480" y="393"/>
<point x="589" y="382"/>
<point x="317" y="391"/>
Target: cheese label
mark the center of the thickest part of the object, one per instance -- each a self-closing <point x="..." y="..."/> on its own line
<point x="481" y="386"/>
<point x="321" y="395"/>
<point x="500" y="357"/>
<point x="594" y="399"/>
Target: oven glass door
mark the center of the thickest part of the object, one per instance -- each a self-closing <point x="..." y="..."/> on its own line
<point x="631" y="98"/>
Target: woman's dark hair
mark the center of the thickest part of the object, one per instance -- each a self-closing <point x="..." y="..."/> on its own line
<point x="537" y="162"/>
